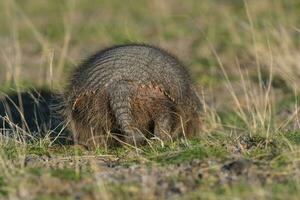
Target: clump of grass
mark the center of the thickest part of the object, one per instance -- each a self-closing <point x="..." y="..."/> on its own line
<point x="180" y="154"/>
<point x="66" y="174"/>
<point x="3" y="191"/>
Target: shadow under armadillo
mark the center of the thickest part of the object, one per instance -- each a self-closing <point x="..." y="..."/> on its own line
<point x="30" y="115"/>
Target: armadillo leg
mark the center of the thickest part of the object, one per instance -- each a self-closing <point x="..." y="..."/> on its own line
<point x="120" y="103"/>
<point x="162" y="127"/>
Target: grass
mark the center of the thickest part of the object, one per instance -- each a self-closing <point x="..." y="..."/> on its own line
<point x="244" y="60"/>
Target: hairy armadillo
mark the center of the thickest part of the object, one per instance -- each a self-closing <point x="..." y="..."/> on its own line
<point x="130" y="93"/>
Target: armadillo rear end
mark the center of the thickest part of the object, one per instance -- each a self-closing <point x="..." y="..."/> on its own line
<point x="131" y="93"/>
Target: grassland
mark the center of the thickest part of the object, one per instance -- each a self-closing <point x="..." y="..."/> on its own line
<point x="244" y="60"/>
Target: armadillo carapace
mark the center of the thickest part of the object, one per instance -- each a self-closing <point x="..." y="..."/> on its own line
<point x="131" y="93"/>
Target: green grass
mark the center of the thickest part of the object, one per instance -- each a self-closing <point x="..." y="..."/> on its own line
<point x="53" y="197"/>
<point x="66" y="174"/>
<point x="3" y="191"/>
<point x="243" y="190"/>
<point x="178" y="155"/>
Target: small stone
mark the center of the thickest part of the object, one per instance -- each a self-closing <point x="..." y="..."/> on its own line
<point x="237" y="167"/>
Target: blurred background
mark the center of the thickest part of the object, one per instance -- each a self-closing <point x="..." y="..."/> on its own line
<point x="41" y="41"/>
